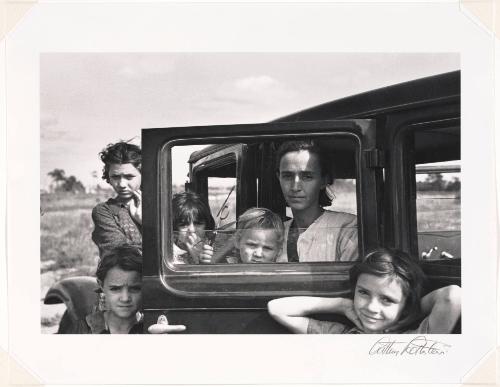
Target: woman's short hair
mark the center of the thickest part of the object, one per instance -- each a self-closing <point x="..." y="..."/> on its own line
<point x="313" y="148"/>
<point x="189" y="207"/>
<point x="260" y="218"/>
<point x="126" y="257"/>
<point x="120" y="153"/>
<point x="397" y="264"/>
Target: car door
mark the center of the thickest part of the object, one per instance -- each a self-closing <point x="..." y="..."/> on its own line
<point x="232" y="298"/>
<point x="423" y="175"/>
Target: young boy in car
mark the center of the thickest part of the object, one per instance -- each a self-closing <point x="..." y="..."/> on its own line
<point x="258" y="238"/>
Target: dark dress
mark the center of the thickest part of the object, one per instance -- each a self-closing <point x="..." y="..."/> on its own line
<point x="94" y="324"/>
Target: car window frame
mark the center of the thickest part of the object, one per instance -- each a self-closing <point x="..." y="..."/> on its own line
<point x="180" y="274"/>
<point x="404" y="150"/>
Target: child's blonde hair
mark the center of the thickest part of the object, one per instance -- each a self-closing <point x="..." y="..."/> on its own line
<point x="260" y="218"/>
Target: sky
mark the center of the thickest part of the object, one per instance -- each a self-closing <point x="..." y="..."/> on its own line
<point x="88" y="100"/>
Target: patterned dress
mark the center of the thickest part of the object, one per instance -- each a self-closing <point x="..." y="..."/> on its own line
<point x="331" y="237"/>
<point x="113" y="226"/>
<point x="94" y="323"/>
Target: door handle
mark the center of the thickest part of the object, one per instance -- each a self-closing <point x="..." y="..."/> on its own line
<point x="162" y="326"/>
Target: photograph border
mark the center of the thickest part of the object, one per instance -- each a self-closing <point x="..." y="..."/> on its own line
<point x="21" y="327"/>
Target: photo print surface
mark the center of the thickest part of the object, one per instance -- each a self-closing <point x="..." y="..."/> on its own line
<point x="247" y="212"/>
<point x="270" y="168"/>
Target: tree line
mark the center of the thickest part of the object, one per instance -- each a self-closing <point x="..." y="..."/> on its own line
<point x="436" y="182"/>
<point x="65" y="183"/>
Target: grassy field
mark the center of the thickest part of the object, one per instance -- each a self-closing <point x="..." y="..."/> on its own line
<point x="66" y="247"/>
<point x="438" y="211"/>
<point x="65" y="232"/>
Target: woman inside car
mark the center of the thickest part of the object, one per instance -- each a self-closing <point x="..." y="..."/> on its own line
<point x="314" y="234"/>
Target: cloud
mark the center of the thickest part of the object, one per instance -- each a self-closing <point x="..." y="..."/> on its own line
<point x="255" y="91"/>
<point x="144" y="67"/>
<point x="254" y="98"/>
<point x="256" y="84"/>
<point x="51" y="131"/>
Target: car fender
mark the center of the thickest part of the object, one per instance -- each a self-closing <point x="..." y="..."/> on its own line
<point x="78" y="293"/>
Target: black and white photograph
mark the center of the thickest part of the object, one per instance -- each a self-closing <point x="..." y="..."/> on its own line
<point x="262" y="225"/>
<point x="249" y="200"/>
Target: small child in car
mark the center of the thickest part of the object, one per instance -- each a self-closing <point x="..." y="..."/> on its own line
<point x="259" y="236"/>
<point x="386" y="289"/>
<point x="191" y="220"/>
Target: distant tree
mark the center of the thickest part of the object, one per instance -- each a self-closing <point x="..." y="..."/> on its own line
<point x="436" y="181"/>
<point x="72" y="184"/>
<point x="59" y="176"/>
<point x="433" y="182"/>
<point x="66" y="184"/>
<point x="453" y="185"/>
<point x="94" y="186"/>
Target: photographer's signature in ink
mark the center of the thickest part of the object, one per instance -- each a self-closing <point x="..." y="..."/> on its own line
<point x="419" y="345"/>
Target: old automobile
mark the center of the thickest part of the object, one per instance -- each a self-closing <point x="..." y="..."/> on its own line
<point x="394" y="160"/>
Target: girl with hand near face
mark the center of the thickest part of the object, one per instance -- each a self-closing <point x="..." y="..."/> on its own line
<point x="118" y="221"/>
<point x="386" y="288"/>
<point x="191" y="218"/>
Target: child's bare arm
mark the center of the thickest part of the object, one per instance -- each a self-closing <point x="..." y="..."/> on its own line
<point x="292" y="312"/>
<point x="443" y="306"/>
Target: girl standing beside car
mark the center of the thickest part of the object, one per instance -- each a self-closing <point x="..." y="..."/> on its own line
<point x="119" y="276"/>
<point x="118" y="221"/>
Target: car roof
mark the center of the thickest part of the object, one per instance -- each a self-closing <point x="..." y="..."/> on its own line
<point x="369" y="104"/>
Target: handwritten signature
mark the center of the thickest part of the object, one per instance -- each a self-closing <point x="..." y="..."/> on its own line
<point x="419" y="345"/>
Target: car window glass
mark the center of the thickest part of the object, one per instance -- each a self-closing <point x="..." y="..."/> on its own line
<point x="343" y="193"/>
<point x="438" y="192"/>
<point x="438" y="210"/>
<point x="222" y="199"/>
<point x="215" y="184"/>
